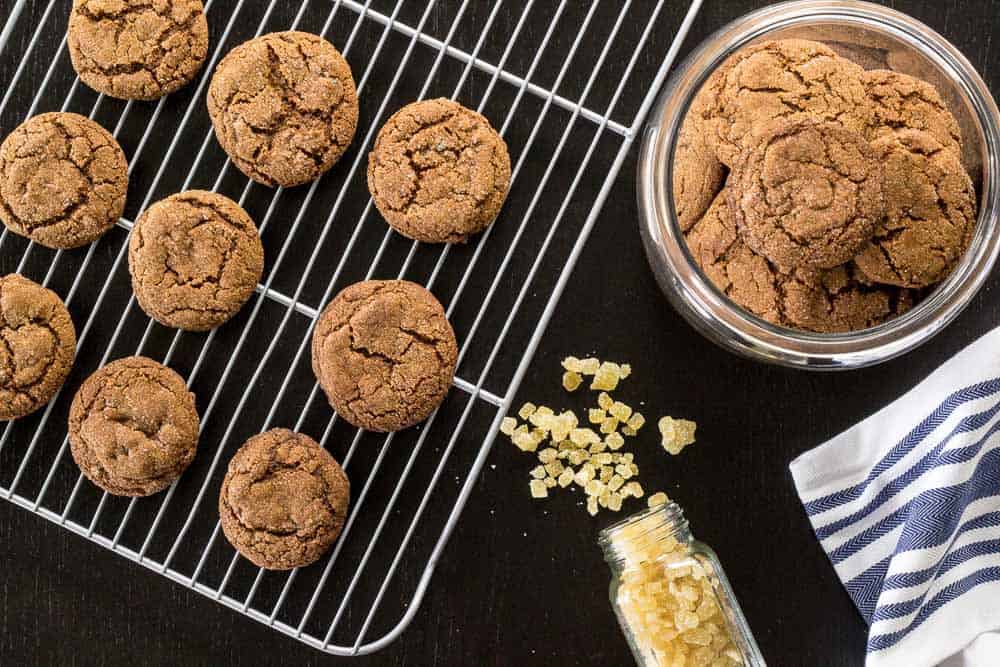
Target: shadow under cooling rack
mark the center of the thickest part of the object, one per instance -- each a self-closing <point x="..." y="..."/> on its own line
<point x="567" y="84"/>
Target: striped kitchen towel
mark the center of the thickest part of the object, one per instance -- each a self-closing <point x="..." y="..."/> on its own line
<point x="907" y="506"/>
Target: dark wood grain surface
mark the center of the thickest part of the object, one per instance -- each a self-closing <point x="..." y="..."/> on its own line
<point x="522" y="582"/>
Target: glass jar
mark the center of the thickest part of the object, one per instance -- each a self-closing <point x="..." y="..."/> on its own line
<point x="879" y="37"/>
<point x="670" y="595"/>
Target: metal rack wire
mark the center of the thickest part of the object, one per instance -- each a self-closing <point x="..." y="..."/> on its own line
<point x="405" y="506"/>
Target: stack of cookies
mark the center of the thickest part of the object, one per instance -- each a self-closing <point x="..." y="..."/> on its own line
<point x="817" y="195"/>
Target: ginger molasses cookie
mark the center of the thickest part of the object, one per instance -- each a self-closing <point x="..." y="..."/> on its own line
<point x="384" y="353"/>
<point x="930" y="211"/>
<point x="735" y="270"/>
<point x="823" y="301"/>
<point x="698" y="174"/>
<point x="900" y="101"/>
<point x="63" y="180"/>
<point x="807" y="194"/>
<point x="137" y="49"/>
<point x="779" y="78"/>
<point x="283" y="500"/>
<point x="835" y="301"/>
<point x="133" y="427"/>
<point x="284" y="107"/>
<point x="37" y="345"/>
<point x="439" y="172"/>
<point x="195" y="258"/>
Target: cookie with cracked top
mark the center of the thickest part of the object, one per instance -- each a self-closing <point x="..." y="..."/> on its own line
<point x="284" y="107"/>
<point x="137" y="49"/>
<point x="37" y="345"/>
<point x="63" y="180"/>
<point x="385" y="354"/>
<point x="697" y="173"/>
<point x="438" y="172"/>
<point x="283" y="501"/>
<point x="806" y="193"/>
<point x="195" y="258"/>
<point x="930" y="211"/>
<point x="133" y="427"/>
<point x="776" y="79"/>
<point x="824" y="301"/>
<point x="900" y="101"/>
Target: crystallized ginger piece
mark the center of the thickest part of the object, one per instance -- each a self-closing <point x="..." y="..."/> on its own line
<point x="537" y="416"/>
<point x="571" y="381"/>
<point x="609" y="425"/>
<point x="676" y="434"/>
<point x="538" y="472"/>
<point x="598" y="447"/>
<point x="538" y="489"/>
<point x="596" y="415"/>
<point x="636" y="421"/>
<point x="685" y="620"/>
<point x="606" y="473"/>
<point x="624" y="371"/>
<point x="658" y="498"/>
<point x="572" y="364"/>
<point x="606" y="377"/>
<point x="602" y="459"/>
<point x="634" y="489"/>
<point x="589" y="366"/>
<point x="507" y="425"/>
<point x="614" y="440"/>
<point x="578" y="456"/>
<point x="566" y="478"/>
<point x="554" y="468"/>
<point x="594" y="487"/>
<point x="524" y="440"/>
<point x="614" y="501"/>
<point x="563" y="424"/>
<point x="550" y="482"/>
<point x="592" y="506"/>
<point x="527" y="410"/>
<point x="605" y="401"/>
<point x="620" y="411"/>
<point x="583" y="436"/>
<point x="616" y="482"/>
<point x="547" y="455"/>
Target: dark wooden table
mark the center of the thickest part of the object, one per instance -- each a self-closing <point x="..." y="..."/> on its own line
<point x="522" y="582"/>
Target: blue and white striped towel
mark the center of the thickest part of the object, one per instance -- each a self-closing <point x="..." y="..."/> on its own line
<point x="907" y="506"/>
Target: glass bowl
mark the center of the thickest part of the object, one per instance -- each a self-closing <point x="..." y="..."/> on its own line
<point x="875" y="37"/>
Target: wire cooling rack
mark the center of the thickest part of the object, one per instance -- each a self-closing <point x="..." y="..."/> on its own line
<point x="531" y="68"/>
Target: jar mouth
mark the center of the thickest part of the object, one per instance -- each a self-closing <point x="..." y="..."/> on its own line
<point x="727" y="324"/>
<point x="641" y="530"/>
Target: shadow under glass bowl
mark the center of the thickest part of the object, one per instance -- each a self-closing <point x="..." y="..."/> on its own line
<point x="875" y="37"/>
